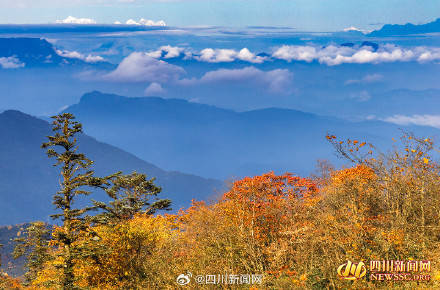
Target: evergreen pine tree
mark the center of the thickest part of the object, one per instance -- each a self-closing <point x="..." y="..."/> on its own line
<point x="33" y="242"/>
<point x="76" y="179"/>
<point x="130" y="194"/>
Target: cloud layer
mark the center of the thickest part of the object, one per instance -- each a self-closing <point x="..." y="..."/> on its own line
<point x="140" y="67"/>
<point x="368" y="79"/>
<point x="228" y="55"/>
<point x="211" y="55"/>
<point x="10" y="62"/>
<point x="276" y="81"/>
<point x="145" y="22"/>
<point x="421" y="120"/>
<point x="169" y="51"/>
<point x="74" y="54"/>
<point x="141" y="22"/>
<point x="335" y="55"/>
<point x="74" y="20"/>
<point x="330" y="55"/>
<point x="352" y="28"/>
<point x="154" y="89"/>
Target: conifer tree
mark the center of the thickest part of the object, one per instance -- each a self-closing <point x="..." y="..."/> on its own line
<point x="76" y="179"/>
<point x="130" y="194"/>
<point x="33" y="242"/>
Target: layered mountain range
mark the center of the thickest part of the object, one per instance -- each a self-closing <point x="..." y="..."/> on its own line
<point x="406" y="29"/>
<point x="28" y="180"/>
<point x="218" y="143"/>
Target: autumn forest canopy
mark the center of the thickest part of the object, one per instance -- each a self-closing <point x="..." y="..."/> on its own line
<point x="269" y="231"/>
<point x="205" y="144"/>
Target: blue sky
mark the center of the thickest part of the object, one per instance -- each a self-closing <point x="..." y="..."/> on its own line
<point x="309" y="15"/>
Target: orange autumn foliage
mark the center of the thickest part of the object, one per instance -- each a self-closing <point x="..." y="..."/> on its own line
<point x="359" y="175"/>
<point x="294" y="231"/>
<point x="244" y="231"/>
<point x="10" y="283"/>
<point x="261" y="203"/>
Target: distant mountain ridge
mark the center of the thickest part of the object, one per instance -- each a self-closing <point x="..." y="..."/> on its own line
<point x="37" y="52"/>
<point x="28" y="180"/>
<point x="219" y="143"/>
<point x="13" y="267"/>
<point x="406" y="29"/>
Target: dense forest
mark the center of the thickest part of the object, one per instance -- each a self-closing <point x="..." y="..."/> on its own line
<point x="266" y="232"/>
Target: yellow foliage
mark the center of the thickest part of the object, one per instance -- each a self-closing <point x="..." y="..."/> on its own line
<point x="287" y="228"/>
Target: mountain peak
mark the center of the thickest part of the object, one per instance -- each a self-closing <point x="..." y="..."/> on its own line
<point x="97" y="96"/>
<point x="31" y="51"/>
<point x="12" y="113"/>
<point x="407" y="29"/>
<point x="15" y="114"/>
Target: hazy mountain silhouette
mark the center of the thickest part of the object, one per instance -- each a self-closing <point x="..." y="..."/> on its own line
<point x="38" y="52"/>
<point x="13" y="267"/>
<point x="213" y="142"/>
<point x="409" y="28"/>
<point x="28" y="179"/>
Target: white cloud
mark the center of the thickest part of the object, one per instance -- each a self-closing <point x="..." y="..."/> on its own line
<point x="142" y="21"/>
<point x="207" y="54"/>
<point x="335" y="55"/>
<point x="228" y="55"/>
<point x="168" y="51"/>
<point x="246" y="55"/>
<point x="290" y="52"/>
<point x="74" y="20"/>
<point x="370" y="78"/>
<point x="361" y="96"/>
<point x="352" y="28"/>
<point x="132" y="22"/>
<point x="74" y="54"/>
<point x="10" y="62"/>
<point x="421" y="120"/>
<point x="276" y="81"/>
<point x="152" y="23"/>
<point x="146" y="67"/>
<point x="217" y="55"/>
<point x="140" y="67"/>
<point x="366" y="56"/>
<point x="427" y="55"/>
<point x="146" y="22"/>
<point x="94" y="58"/>
<point x="330" y="55"/>
<point x="154" y="89"/>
